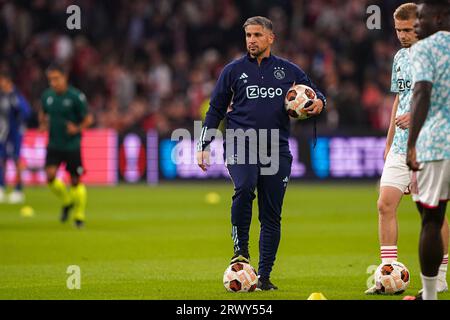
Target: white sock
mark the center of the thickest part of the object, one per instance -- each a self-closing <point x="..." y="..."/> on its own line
<point x="443" y="267"/>
<point x="429" y="287"/>
<point x="388" y="254"/>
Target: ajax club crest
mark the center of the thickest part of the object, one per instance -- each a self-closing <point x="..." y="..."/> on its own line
<point x="278" y="73"/>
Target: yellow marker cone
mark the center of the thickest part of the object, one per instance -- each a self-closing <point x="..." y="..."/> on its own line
<point x="317" y="296"/>
<point x="212" y="198"/>
<point x="27" y="211"/>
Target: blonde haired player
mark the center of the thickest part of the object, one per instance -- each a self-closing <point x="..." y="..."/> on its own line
<point x="396" y="177"/>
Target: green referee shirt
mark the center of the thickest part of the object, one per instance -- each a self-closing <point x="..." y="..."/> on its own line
<point x="70" y="106"/>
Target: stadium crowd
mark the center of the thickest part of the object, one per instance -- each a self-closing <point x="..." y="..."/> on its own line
<point x="153" y="64"/>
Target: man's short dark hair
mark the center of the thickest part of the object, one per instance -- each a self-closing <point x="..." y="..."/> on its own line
<point x="57" y="67"/>
<point x="434" y="2"/>
<point x="438" y="6"/>
<point x="442" y="4"/>
<point x="260" y="21"/>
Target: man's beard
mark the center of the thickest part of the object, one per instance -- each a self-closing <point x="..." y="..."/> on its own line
<point x="257" y="53"/>
<point x="406" y="45"/>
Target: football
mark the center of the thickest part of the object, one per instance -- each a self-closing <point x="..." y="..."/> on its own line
<point x="240" y="277"/>
<point x="392" y="278"/>
<point x="297" y="99"/>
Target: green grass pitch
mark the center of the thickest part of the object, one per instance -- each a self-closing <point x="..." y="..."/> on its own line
<point x="167" y="242"/>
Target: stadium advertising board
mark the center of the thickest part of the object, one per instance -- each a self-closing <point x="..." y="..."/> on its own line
<point x="135" y="158"/>
<point x="333" y="157"/>
<point x="99" y="152"/>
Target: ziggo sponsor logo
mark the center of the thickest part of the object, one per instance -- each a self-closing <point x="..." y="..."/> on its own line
<point x="255" y="92"/>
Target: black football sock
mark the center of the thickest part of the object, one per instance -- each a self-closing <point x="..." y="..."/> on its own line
<point x="430" y="244"/>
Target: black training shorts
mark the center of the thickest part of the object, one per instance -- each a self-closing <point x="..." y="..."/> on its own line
<point x="72" y="159"/>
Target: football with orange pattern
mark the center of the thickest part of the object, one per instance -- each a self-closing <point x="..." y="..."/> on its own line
<point x="297" y="99"/>
<point x="240" y="277"/>
<point x="392" y="278"/>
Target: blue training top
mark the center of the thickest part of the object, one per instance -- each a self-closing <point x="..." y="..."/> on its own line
<point x="256" y="95"/>
<point x="14" y="112"/>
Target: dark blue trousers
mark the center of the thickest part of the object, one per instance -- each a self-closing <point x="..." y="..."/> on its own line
<point x="270" y="189"/>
